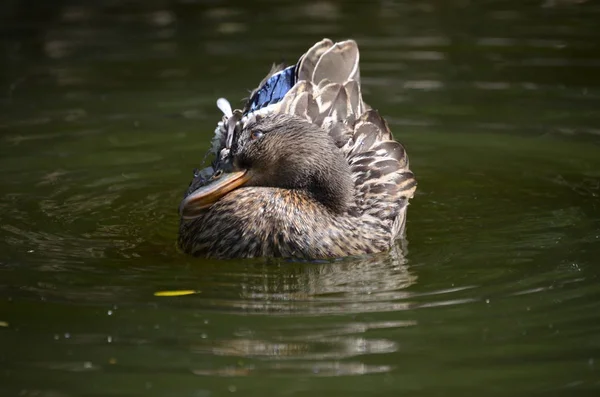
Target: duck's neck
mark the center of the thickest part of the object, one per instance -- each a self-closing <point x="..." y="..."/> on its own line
<point x="327" y="179"/>
<point x="334" y="192"/>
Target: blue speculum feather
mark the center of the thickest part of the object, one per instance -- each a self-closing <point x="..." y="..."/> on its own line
<point x="274" y="89"/>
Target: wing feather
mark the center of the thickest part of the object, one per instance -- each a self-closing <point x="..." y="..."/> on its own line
<point x="327" y="92"/>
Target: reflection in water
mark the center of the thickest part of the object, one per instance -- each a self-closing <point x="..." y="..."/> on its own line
<point x="331" y="287"/>
<point x="327" y="368"/>
<point x="351" y="286"/>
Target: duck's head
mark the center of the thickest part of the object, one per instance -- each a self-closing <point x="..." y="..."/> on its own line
<point x="279" y="151"/>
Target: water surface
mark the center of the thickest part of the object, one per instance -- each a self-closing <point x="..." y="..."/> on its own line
<point x="106" y="109"/>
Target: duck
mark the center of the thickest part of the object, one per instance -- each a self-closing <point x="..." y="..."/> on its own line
<point x="305" y="169"/>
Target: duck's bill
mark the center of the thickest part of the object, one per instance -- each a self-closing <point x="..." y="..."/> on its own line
<point x="194" y="205"/>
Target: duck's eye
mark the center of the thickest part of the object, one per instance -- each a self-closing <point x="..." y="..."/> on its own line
<point x="254" y="135"/>
<point x="217" y="174"/>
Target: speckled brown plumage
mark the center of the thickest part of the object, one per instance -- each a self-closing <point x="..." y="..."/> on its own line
<point x="259" y="221"/>
<point x="325" y="178"/>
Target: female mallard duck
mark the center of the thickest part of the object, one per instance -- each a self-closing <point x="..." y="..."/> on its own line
<point x="305" y="170"/>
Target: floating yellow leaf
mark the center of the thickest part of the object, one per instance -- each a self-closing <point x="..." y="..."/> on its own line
<point x="3" y="324"/>
<point x="176" y="293"/>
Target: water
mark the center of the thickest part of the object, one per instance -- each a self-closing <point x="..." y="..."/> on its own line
<point x="106" y="109"/>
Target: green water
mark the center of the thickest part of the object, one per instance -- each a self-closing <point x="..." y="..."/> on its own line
<point x="106" y="109"/>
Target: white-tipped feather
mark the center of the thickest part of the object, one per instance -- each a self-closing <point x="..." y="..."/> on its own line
<point x="225" y="107"/>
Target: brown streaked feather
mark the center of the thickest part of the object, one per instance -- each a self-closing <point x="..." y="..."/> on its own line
<point x="331" y="84"/>
<point x="285" y="106"/>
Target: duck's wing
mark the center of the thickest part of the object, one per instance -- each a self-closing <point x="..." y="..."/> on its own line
<point x="328" y="89"/>
<point x="379" y="164"/>
<point x="323" y="87"/>
<point x="325" y="62"/>
<point x="328" y="93"/>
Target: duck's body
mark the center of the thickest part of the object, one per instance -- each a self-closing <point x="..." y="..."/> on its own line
<point x="272" y="222"/>
<point x="310" y="170"/>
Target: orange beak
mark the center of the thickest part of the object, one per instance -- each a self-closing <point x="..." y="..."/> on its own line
<point x="193" y="205"/>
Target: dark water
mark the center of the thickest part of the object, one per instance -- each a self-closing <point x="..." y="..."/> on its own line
<point x="106" y="109"/>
